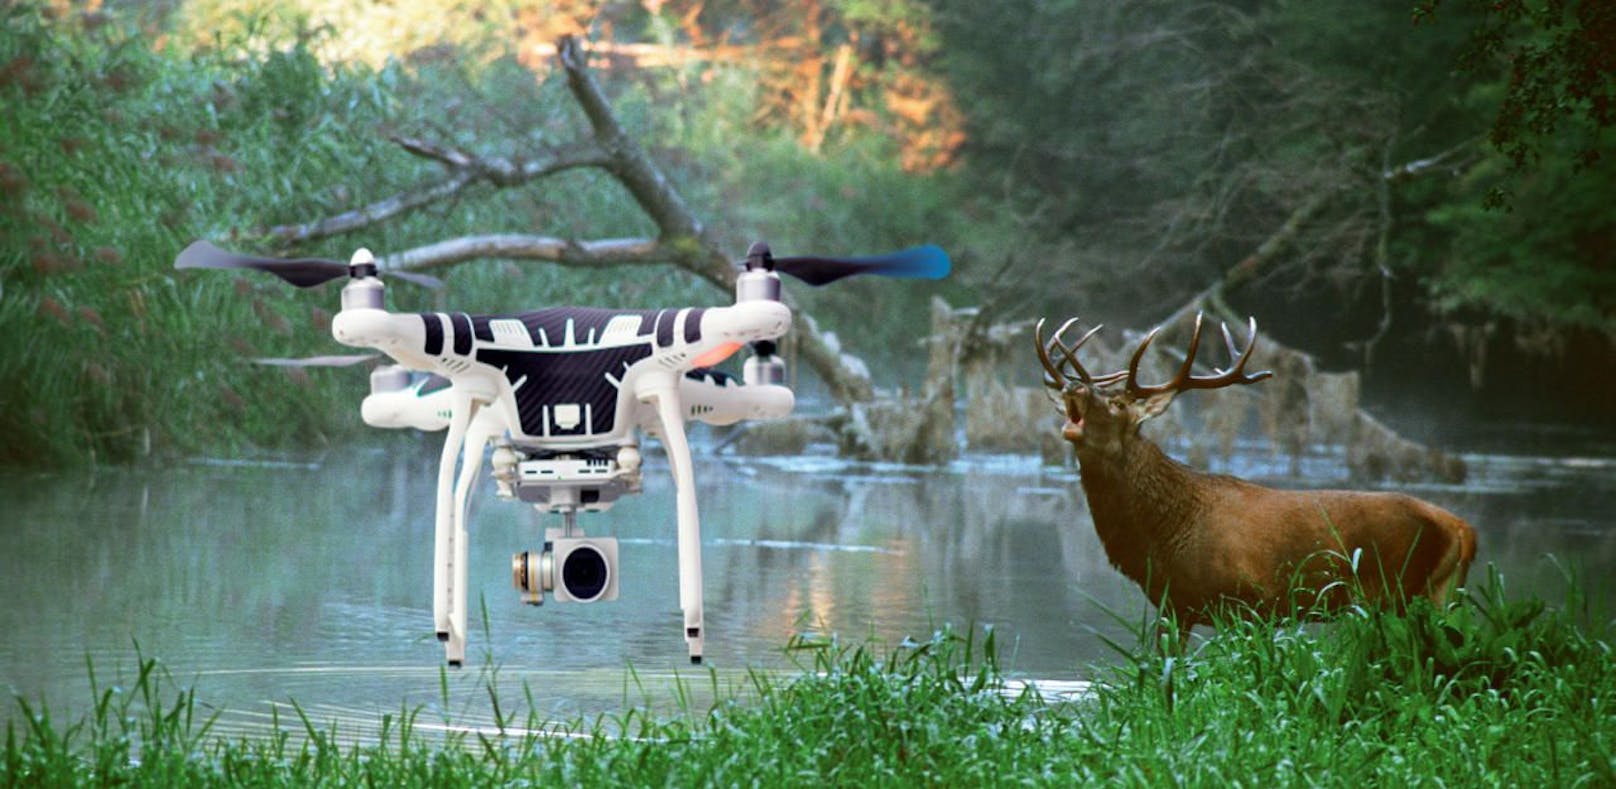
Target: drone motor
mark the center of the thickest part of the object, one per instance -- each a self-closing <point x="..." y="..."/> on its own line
<point x="764" y="368"/>
<point x="364" y="290"/>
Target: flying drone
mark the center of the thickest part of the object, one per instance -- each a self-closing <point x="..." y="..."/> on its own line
<point x="562" y="394"/>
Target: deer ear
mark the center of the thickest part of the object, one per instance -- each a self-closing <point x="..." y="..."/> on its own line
<point x="1151" y="406"/>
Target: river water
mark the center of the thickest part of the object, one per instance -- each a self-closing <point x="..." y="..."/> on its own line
<point x="260" y="583"/>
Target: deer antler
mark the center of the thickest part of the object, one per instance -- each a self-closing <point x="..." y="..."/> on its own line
<point x="1058" y="379"/>
<point x="1183" y="380"/>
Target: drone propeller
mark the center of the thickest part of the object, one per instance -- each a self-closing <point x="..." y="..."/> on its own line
<point x="320" y="361"/>
<point x="300" y="272"/>
<point x="922" y="262"/>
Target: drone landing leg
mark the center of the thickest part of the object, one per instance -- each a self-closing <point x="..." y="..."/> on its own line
<point x="471" y="463"/>
<point x="670" y="414"/>
<point x="448" y="533"/>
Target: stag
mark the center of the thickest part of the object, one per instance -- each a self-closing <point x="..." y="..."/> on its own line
<point x="1197" y="543"/>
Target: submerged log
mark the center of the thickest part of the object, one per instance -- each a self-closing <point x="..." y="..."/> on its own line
<point x="982" y="372"/>
<point x="905" y="426"/>
<point x="913" y="427"/>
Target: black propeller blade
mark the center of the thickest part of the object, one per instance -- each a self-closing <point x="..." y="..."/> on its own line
<point x="922" y="262"/>
<point x="300" y="272"/>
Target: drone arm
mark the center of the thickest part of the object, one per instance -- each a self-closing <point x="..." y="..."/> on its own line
<point x="720" y="400"/>
<point x="744" y="322"/>
<point x="401" y="336"/>
<point x="394" y="402"/>
<point x="664" y="395"/>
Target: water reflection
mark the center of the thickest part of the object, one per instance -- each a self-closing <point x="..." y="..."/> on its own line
<point x="264" y="583"/>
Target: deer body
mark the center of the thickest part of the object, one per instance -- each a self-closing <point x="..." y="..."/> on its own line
<point x="1195" y="542"/>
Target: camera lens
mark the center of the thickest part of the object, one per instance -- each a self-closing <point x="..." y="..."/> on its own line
<point x="584" y="572"/>
<point x="519" y="573"/>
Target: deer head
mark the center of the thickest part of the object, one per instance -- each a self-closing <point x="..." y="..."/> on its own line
<point x="1102" y="417"/>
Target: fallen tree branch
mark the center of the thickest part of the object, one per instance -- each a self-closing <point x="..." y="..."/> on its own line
<point x="465" y="169"/>
<point x="454" y="157"/>
<point x="682" y="238"/>
<point x="503" y="171"/>
<point x="684" y="234"/>
<point x="1437" y="163"/>
<point x="680" y="228"/>
<point x="570" y="252"/>
<point x="379" y="211"/>
<point x="1253" y="265"/>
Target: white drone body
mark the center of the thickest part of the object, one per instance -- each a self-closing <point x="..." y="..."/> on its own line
<point x="562" y="395"/>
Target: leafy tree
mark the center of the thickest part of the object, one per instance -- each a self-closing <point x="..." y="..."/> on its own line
<point x="1560" y="61"/>
<point x="1543" y="76"/>
<point x="1155" y="145"/>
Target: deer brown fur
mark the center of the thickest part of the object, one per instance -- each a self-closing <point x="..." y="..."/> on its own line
<point x="1198" y="542"/>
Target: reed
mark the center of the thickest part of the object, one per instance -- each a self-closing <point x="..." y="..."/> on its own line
<point x="117" y="156"/>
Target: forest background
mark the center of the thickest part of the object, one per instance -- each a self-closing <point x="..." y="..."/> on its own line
<point x="1421" y="191"/>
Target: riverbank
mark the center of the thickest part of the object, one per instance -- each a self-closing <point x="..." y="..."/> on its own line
<point x="1492" y="691"/>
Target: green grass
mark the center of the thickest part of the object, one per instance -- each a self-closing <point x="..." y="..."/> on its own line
<point x="1491" y="691"/>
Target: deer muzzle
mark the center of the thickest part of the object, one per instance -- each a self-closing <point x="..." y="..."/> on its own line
<point x="1073" y="429"/>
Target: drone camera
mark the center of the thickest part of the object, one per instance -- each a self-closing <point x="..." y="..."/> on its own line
<point x="575" y="569"/>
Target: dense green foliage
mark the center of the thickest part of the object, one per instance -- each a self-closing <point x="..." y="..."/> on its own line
<point x="1546" y="73"/>
<point x="1492" y="692"/>
<point x="1561" y="58"/>
<point x="113" y="158"/>
<point x="1169" y="142"/>
<point x="114" y="155"/>
<point x="1125" y="153"/>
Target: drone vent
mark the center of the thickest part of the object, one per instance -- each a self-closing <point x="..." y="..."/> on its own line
<point x="623" y="328"/>
<point x="454" y="365"/>
<point x="510" y="333"/>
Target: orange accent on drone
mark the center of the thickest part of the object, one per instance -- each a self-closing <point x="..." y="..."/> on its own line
<point x="716" y="355"/>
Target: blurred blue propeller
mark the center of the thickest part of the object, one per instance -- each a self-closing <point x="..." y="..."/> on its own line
<point x="922" y="262"/>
